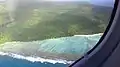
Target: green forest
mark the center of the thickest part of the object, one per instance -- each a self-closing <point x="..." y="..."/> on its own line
<point x="39" y="22"/>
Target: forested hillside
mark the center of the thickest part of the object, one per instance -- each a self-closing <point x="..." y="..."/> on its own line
<point x="52" y="20"/>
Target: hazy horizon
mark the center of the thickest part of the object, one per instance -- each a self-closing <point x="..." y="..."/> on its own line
<point x="56" y="0"/>
<point x="72" y="0"/>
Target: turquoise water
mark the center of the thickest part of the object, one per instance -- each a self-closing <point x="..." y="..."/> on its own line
<point x="59" y="52"/>
<point x="73" y="45"/>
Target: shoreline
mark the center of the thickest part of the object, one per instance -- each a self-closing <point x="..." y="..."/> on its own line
<point x="48" y="48"/>
<point x="36" y="59"/>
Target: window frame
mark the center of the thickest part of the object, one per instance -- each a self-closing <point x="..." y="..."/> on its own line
<point x="106" y="45"/>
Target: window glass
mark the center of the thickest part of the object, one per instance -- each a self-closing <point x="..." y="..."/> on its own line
<point x="50" y="33"/>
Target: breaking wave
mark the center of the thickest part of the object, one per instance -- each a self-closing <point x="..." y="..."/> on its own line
<point x="35" y="59"/>
<point x="59" y="50"/>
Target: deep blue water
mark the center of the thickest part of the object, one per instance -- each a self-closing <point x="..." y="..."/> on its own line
<point x="78" y="44"/>
<point x="6" y="61"/>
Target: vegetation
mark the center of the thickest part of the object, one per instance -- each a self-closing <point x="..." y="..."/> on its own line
<point x="34" y="22"/>
<point x="4" y="38"/>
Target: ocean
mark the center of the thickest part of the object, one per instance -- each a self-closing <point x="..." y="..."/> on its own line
<point x="7" y="61"/>
<point x="59" y="52"/>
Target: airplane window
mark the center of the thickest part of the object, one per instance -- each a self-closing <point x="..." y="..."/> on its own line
<point x="50" y="33"/>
